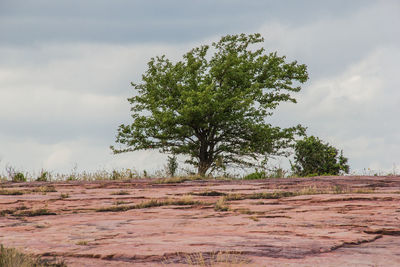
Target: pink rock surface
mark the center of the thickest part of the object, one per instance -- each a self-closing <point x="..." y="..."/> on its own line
<point x="333" y="221"/>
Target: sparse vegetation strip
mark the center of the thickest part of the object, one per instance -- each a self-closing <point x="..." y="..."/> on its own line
<point x="153" y="203"/>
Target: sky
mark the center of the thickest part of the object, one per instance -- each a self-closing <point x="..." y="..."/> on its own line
<point x="66" y="69"/>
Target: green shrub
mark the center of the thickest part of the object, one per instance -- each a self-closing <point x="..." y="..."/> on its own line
<point x="172" y="165"/>
<point x="43" y="177"/>
<point x="19" y="177"/>
<point x="313" y="157"/>
<point x="256" y="175"/>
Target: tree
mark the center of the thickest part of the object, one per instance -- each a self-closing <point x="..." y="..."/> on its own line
<point x="212" y="105"/>
<point x="313" y="157"/>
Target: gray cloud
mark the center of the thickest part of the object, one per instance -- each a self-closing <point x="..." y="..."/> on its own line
<point x="66" y="68"/>
<point x="31" y="22"/>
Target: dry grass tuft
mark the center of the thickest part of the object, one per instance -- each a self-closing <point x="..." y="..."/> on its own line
<point x="11" y="192"/>
<point x="212" y="259"/>
<point x="11" y="257"/>
<point x="120" y="193"/>
<point x="221" y="205"/>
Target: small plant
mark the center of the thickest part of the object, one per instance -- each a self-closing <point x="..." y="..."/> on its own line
<point x="172" y="165"/>
<point x="19" y="177"/>
<point x="185" y="201"/>
<point x="121" y="192"/>
<point x="221" y="205"/>
<point x="115" y="175"/>
<point x="32" y="213"/>
<point x="209" y="193"/>
<point x="175" y="180"/>
<point x="216" y="259"/>
<point x="337" y="189"/>
<point x="64" y="195"/>
<point x="256" y="175"/>
<point x="11" y="257"/>
<point x="120" y="202"/>
<point x="45" y="189"/>
<point x="44" y="176"/>
<point x="82" y="243"/>
<point x="11" y="192"/>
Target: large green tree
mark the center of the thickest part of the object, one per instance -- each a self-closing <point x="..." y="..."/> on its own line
<point x="213" y="105"/>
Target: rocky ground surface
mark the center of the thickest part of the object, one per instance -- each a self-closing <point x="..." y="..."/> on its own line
<point x="321" y="221"/>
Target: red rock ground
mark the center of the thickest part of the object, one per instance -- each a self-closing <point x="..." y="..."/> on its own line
<point x="332" y="221"/>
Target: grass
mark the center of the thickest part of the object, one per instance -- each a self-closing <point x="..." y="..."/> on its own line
<point x="310" y="190"/>
<point x="45" y="189"/>
<point x="186" y="201"/>
<point x="33" y="213"/>
<point x="12" y="211"/>
<point x="11" y="192"/>
<point x="121" y="192"/>
<point x="64" y="195"/>
<point x="82" y="243"/>
<point x="11" y="257"/>
<point x="209" y="193"/>
<point x="221" y="205"/>
<point x="263" y="195"/>
<point x="177" y="180"/>
<point x="212" y="259"/>
<point x="120" y="202"/>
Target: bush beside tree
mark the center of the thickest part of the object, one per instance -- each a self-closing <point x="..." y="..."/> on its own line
<point x="314" y="157"/>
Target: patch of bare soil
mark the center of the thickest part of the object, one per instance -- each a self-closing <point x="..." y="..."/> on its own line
<point x="319" y="221"/>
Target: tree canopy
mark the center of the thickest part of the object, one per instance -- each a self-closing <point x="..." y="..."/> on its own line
<point x="213" y="105"/>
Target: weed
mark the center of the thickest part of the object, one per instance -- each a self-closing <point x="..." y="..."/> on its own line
<point x="172" y="165"/>
<point x="45" y="189"/>
<point x="244" y="211"/>
<point x="254" y="218"/>
<point x="221" y="205"/>
<point x="14" y="175"/>
<point x="121" y="192"/>
<point x="11" y="192"/>
<point x="153" y="203"/>
<point x="209" y="193"/>
<point x="119" y="202"/>
<point x="364" y="191"/>
<point x="262" y="195"/>
<point x="64" y="195"/>
<point x="175" y="180"/>
<point x="82" y="243"/>
<point x="255" y="175"/>
<point x="44" y="176"/>
<point x="19" y="177"/>
<point x="337" y="189"/>
<point x="216" y="259"/>
<point x="12" y="257"/>
<point x="32" y="213"/>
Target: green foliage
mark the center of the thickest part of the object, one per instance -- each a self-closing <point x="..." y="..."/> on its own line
<point x="313" y="157"/>
<point x="172" y="165"/>
<point x="43" y="177"/>
<point x="256" y="175"/>
<point x="19" y="177"/>
<point x="213" y="107"/>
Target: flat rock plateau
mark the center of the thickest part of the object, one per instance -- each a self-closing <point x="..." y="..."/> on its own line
<point x="318" y="221"/>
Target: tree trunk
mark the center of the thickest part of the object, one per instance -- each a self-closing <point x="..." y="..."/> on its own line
<point x="202" y="168"/>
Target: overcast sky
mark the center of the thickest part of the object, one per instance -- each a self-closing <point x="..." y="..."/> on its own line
<point x="66" y="68"/>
